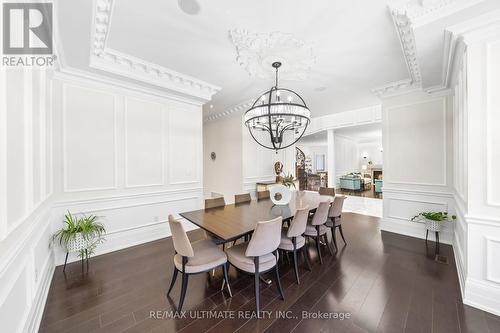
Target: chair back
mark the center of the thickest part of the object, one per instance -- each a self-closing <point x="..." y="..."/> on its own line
<point x="240" y="198"/>
<point x="327" y="191"/>
<point x="299" y="222"/>
<point x="182" y="244"/>
<point x="263" y="195"/>
<point x="215" y="202"/>
<point x="321" y="213"/>
<point x="336" y="208"/>
<point x="265" y="239"/>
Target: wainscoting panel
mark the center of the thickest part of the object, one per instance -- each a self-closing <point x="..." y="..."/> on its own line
<point x="16" y="145"/>
<point x="401" y="205"/>
<point x="25" y="273"/>
<point x="88" y="116"/>
<point x="133" y="219"/>
<point x="144" y="143"/>
<point x="416" y="135"/>
<point x="492" y="121"/>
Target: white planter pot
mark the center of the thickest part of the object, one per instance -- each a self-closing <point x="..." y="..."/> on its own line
<point x="77" y="243"/>
<point x="280" y="195"/>
<point x="433" y="225"/>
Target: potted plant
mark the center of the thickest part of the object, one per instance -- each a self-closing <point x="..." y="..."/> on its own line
<point x="288" y="180"/>
<point x="80" y="234"/>
<point x="433" y="220"/>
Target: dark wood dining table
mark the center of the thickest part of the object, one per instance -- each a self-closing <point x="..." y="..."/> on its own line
<point x="231" y="222"/>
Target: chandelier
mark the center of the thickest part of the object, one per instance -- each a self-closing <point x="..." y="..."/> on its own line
<point x="278" y="118"/>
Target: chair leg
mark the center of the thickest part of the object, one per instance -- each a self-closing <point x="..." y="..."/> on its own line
<point x="295" y="267"/>
<point x="278" y="282"/>
<point x="334" y="238"/>
<point x="306" y="257"/>
<point x="318" y="247"/>
<point x="172" y="283"/>
<point x="183" y="290"/>
<point x="328" y="244"/>
<point x="257" y="285"/>
<point x="226" y="278"/>
<point x="342" y="234"/>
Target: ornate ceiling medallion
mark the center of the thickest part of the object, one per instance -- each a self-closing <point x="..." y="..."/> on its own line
<point x="256" y="52"/>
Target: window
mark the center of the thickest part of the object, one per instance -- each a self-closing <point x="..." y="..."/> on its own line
<point x="320" y="162"/>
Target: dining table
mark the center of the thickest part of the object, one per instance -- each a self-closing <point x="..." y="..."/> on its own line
<point x="233" y="221"/>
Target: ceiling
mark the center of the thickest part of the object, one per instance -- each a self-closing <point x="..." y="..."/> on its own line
<point x="345" y="48"/>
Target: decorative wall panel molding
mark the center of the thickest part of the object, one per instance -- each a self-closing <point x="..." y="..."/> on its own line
<point x="257" y="51"/>
<point x="113" y="61"/>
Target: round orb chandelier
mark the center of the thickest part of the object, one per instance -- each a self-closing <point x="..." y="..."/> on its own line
<point x="278" y="118"/>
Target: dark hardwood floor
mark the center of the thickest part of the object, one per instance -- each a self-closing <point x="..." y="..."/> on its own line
<point x="384" y="281"/>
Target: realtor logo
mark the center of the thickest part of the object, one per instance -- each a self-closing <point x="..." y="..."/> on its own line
<point x="27" y="28"/>
<point x="27" y="34"/>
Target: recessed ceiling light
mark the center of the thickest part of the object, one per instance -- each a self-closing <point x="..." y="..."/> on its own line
<point x="190" y="7"/>
<point x="211" y="106"/>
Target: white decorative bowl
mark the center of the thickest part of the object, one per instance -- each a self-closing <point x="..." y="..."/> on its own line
<point x="280" y="195"/>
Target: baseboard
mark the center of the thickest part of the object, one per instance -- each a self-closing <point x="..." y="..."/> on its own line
<point x="482" y="295"/>
<point x="413" y="229"/>
<point x="459" y="263"/>
<point x="36" y="311"/>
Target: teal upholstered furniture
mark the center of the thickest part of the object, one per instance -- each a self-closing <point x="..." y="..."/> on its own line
<point x="352" y="183"/>
<point x="378" y="185"/>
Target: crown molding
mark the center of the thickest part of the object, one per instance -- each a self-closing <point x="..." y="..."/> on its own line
<point x="239" y="107"/>
<point x="396" y="88"/>
<point x="70" y="74"/>
<point x="113" y="61"/>
<point x="407" y="18"/>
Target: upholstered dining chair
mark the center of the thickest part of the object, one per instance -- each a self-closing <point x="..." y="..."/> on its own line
<point x="327" y="191"/>
<point x="317" y="229"/>
<point x="259" y="255"/>
<point x="292" y="239"/>
<point x="263" y="195"/>
<point x="334" y="218"/>
<point x="193" y="258"/>
<point x="214" y="203"/>
<point x="242" y="198"/>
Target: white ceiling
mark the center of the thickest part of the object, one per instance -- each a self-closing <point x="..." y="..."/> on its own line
<point x="354" y="44"/>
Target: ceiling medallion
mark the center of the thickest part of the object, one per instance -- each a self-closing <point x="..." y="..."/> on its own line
<point x="278" y="118"/>
<point x="257" y="51"/>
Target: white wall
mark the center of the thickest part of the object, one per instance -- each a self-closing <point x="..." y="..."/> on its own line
<point x="346" y="157"/>
<point x="243" y="161"/>
<point x="26" y="262"/>
<point x="130" y="157"/>
<point x="417" y="141"/>
<point x="476" y="156"/>
<point x="372" y="149"/>
<point x="225" y="174"/>
<point x="69" y="142"/>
